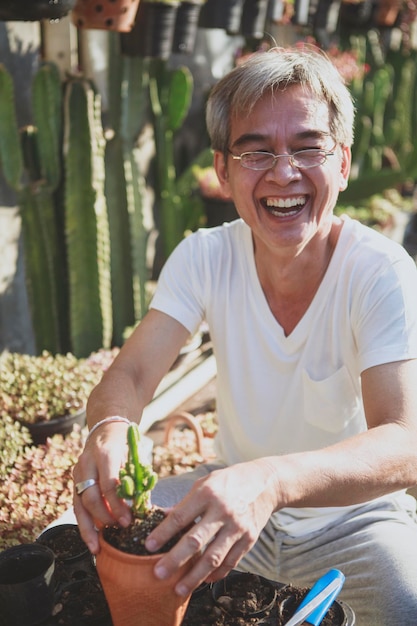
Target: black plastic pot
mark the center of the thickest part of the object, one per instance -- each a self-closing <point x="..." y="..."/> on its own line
<point x="153" y="33"/>
<point x="73" y="559"/>
<point x="254" y="15"/>
<point x="343" y="615"/>
<point x="224" y="14"/>
<point x="26" y="585"/>
<point x="220" y="595"/>
<point x="34" y="10"/>
<point x="40" y="431"/>
<point x="186" y="26"/>
<point x="82" y="603"/>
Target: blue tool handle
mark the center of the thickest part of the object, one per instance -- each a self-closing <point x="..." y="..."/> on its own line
<point x="318" y="614"/>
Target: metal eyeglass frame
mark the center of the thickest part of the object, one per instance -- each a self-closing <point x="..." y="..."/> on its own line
<point x="274" y="157"/>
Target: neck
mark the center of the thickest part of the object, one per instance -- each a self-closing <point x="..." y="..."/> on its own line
<point x="290" y="283"/>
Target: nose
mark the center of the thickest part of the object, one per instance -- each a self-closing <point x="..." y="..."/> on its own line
<point x="283" y="171"/>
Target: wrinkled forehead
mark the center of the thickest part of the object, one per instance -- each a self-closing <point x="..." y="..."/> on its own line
<point x="294" y="109"/>
<point x="275" y="95"/>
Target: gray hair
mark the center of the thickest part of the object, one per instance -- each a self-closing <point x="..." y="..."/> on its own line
<point x="239" y="91"/>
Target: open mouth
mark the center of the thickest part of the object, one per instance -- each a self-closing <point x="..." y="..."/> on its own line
<point x="284" y="207"/>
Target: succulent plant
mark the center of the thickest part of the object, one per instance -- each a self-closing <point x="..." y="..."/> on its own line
<point x="14" y="439"/>
<point x="38" y="488"/>
<point x="136" y="479"/>
<point x="39" y="388"/>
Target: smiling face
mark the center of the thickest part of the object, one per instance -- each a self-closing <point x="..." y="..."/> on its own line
<point x="287" y="208"/>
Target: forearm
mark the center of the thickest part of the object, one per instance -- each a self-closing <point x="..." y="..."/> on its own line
<point x="130" y="383"/>
<point x="369" y="465"/>
<point x="116" y="394"/>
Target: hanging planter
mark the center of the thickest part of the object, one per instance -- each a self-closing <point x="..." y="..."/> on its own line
<point x="254" y="15"/>
<point x="115" y="15"/>
<point x="153" y="33"/>
<point x="34" y="10"/>
<point x="224" y="14"/>
<point x="26" y="584"/>
<point x="186" y="26"/>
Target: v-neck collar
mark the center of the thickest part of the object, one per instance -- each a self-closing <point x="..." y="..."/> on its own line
<point x="319" y="299"/>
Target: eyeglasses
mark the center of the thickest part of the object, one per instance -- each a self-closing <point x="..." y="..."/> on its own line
<point x="302" y="159"/>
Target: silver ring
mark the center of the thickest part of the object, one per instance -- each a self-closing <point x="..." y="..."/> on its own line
<point x="84" y="484"/>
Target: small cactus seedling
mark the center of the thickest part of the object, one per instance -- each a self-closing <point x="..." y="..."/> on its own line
<point x="136" y="479"/>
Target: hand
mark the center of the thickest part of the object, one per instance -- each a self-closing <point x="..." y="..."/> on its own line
<point x="103" y="455"/>
<point x="231" y="506"/>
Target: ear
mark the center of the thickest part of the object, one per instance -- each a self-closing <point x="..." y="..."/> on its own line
<point x="345" y="167"/>
<point x="220" y="167"/>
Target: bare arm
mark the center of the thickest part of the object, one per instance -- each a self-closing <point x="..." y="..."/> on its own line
<point x="126" y="388"/>
<point x="234" y="504"/>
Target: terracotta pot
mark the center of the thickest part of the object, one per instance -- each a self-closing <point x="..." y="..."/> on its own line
<point x="133" y="593"/>
<point x="26" y="584"/>
<point x="40" y="431"/>
<point x="187" y="419"/>
<point x="117" y="15"/>
<point x="387" y="12"/>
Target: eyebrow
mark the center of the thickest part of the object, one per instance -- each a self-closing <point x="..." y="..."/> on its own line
<point x="258" y="137"/>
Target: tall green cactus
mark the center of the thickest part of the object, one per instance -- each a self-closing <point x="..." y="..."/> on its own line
<point x="125" y="186"/>
<point x="117" y="200"/>
<point x="134" y="100"/>
<point x="11" y="158"/>
<point x="86" y="220"/>
<point x="170" y="95"/>
<point x="30" y="161"/>
<point x="384" y="153"/>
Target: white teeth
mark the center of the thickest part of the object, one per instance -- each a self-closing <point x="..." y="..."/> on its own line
<point x="283" y="214"/>
<point x="287" y="203"/>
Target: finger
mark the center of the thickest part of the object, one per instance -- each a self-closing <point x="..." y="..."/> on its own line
<point x="95" y="502"/>
<point x="91" y="498"/>
<point x="217" y="560"/>
<point x="102" y="503"/>
<point x="178" y="519"/>
<point x="230" y="562"/>
<point x="212" y="542"/>
<point x="86" y="525"/>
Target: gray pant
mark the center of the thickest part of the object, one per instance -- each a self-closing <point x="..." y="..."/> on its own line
<point x="375" y="547"/>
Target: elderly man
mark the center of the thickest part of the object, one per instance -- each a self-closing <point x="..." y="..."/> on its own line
<point x="313" y="319"/>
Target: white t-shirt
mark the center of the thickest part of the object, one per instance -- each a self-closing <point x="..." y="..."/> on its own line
<point x="279" y="394"/>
